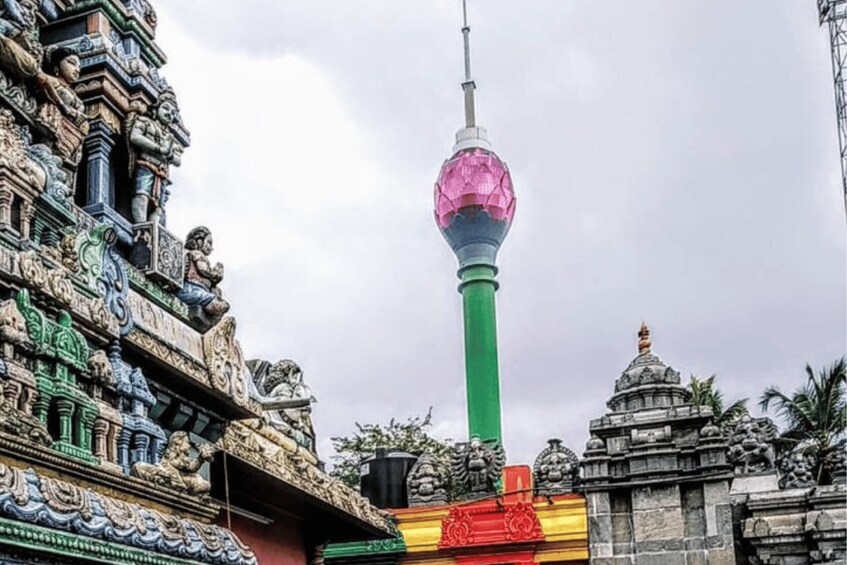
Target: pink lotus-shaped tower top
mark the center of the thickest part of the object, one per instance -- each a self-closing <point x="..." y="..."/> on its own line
<point x="474" y="178"/>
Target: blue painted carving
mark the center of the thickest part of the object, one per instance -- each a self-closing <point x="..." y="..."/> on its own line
<point x="116" y="287"/>
<point x="28" y="497"/>
<point x="140" y="440"/>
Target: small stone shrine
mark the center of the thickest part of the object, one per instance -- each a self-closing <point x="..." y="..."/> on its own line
<point x="655" y="473"/>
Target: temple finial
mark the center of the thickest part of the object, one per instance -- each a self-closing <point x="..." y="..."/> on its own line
<point x="468" y="85"/>
<point x="644" y="342"/>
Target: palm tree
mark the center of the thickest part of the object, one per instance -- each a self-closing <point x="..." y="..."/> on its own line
<point x="704" y="393"/>
<point x="816" y="413"/>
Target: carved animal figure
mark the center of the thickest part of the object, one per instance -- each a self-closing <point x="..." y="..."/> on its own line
<point x="751" y="445"/>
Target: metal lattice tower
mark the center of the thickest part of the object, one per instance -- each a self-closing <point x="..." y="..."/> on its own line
<point x="833" y="13"/>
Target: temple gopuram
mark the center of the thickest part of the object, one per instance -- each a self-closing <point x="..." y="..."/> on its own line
<point x="133" y="429"/>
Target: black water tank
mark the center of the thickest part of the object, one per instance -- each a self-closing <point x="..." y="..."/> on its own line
<point x="382" y="477"/>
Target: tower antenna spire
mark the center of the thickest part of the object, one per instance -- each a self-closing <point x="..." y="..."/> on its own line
<point x="468" y="85"/>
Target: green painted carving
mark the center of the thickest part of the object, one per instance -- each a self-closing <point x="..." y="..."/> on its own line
<point x="90" y="246"/>
<point x="59" y="543"/>
<point x="122" y="22"/>
<point x="61" y="357"/>
<point x="360" y="548"/>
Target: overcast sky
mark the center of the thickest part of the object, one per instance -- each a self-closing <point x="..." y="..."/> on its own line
<point x="675" y="161"/>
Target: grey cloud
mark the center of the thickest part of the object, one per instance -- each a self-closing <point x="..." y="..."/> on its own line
<point x="675" y="161"/>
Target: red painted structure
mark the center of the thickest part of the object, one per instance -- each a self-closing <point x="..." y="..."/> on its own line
<point x="505" y="529"/>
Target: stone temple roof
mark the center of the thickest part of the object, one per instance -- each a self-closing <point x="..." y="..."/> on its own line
<point x="645" y="369"/>
<point x="647" y="382"/>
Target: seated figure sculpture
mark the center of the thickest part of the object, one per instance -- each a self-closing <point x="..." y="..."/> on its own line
<point x="178" y="470"/>
<point x="427" y="482"/>
<point x="200" y="289"/>
<point x="153" y="148"/>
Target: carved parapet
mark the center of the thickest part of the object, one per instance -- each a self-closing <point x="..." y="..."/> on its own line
<point x="158" y="254"/>
<point x="801" y="525"/>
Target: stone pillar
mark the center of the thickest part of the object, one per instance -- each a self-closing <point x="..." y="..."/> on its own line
<point x="66" y="409"/>
<point x="101" y="429"/>
<point x="27" y="216"/>
<point x="99" y="144"/>
<point x="6" y="197"/>
<point x="124" y="439"/>
<point x="157" y="448"/>
<point x="139" y="448"/>
<point x="85" y="423"/>
<point x="599" y="528"/>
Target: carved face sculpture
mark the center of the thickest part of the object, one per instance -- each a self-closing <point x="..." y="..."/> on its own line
<point x="207" y="246"/>
<point x="167" y="112"/>
<point x="68" y="69"/>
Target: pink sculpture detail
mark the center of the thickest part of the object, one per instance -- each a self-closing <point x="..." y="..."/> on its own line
<point x="474" y="178"/>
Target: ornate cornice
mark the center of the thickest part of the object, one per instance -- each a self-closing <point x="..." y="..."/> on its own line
<point x="31" y="498"/>
<point x="242" y="442"/>
<point x="58" y="543"/>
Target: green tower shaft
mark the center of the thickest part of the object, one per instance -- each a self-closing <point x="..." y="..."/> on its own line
<point x="481" y="368"/>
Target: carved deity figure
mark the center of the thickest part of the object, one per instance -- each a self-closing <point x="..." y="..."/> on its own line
<point x="64" y="113"/>
<point x="178" y="470"/>
<point x="556" y="469"/>
<point x="56" y="85"/>
<point x="427" y="483"/>
<point x="751" y="445"/>
<point x="20" y="51"/>
<point x="477" y="466"/>
<point x="153" y="148"/>
<point x="201" y="278"/>
<point x="797" y="471"/>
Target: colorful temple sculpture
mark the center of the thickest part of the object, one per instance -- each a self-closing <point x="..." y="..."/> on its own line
<point x="659" y="483"/>
<point x="132" y="428"/>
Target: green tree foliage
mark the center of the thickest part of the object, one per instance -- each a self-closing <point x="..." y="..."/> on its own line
<point x="705" y="393"/>
<point x="411" y="436"/>
<point x="815" y="415"/>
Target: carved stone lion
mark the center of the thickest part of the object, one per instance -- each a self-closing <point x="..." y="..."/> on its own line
<point x="751" y="445"/>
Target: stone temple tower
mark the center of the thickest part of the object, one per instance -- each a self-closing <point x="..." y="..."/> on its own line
<point x="474" y="207"/>
<point x="655" y="473"/>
